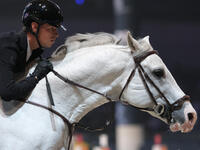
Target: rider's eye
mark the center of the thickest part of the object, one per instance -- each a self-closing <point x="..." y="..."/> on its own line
<point x="158" y="73"/>
<point x="51" y="29"/>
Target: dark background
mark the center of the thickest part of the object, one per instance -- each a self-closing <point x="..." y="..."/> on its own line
<point x="174" y="30"/>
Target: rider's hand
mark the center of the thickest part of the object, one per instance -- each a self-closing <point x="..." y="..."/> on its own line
<point x="42" y="69"/>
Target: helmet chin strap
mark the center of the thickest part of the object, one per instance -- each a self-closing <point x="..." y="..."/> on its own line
<point x="36" y="35"/>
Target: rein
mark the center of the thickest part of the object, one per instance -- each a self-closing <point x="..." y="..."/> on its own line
<point x="165" y="111"/>
<point x="80" y="86"/>
<point x="160" y="109"/>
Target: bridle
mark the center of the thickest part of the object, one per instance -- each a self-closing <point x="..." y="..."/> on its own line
<point x="164" y="111"/>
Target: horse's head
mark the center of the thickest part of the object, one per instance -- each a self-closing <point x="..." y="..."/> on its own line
<point x="155" y="90"/>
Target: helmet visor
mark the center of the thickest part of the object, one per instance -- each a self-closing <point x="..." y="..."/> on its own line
<point x="62" y="27"/>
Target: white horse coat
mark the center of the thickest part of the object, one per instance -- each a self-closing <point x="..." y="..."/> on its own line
<point x="105" y="68"/>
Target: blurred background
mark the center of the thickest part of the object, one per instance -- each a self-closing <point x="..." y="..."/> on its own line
<point x="174" y="30"/>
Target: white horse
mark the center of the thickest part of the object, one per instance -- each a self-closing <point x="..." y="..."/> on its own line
<point x="100" y="64"/>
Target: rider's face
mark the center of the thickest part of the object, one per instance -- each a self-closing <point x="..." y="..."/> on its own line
<point x="47" y="35"/>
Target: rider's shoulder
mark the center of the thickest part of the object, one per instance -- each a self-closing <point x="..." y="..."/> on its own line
<point x="13" y="40"/>
<point x="8" y="36"/>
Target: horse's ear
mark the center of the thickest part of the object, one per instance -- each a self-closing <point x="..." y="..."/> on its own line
<point x="59" y="53"/>
<point x="146" y="39"/>
<point x="133" y="44"/>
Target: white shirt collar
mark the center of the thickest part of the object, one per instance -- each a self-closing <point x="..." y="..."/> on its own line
<point x="29" y="52"/>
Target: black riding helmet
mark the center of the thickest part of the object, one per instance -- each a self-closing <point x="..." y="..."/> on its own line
<point x="42" y="11"/>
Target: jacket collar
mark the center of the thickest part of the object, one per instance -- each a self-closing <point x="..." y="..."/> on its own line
<point x="22" y="43"/>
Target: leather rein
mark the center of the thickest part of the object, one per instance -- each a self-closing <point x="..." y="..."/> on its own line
<point x="165" y="111"/>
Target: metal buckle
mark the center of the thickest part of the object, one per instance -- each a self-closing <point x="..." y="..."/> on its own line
<point x="159" y="109"/>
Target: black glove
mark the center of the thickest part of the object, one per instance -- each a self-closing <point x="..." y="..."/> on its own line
<point x="42" y="69"/>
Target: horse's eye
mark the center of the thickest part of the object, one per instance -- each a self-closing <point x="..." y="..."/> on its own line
<point x="158" y="73"/>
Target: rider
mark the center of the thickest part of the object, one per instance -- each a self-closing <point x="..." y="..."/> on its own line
<point x="41" y="20"/>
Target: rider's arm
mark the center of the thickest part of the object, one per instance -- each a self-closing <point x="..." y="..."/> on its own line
<point x="9" y="88"/>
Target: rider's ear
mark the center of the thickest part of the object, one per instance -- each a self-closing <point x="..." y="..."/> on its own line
<point x="34" y="27"/>
<point x="132" y="43"/>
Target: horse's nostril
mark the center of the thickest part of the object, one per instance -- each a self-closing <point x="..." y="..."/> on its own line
<point x="190" y="116"/>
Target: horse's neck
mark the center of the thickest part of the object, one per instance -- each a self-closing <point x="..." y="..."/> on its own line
<point x="103" y="72"/>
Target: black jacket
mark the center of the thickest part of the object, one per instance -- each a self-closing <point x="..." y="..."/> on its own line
<point x="13" y="51"/>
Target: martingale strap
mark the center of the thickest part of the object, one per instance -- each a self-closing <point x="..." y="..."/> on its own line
<point x="65" y="120"/>
<point x="71" y="126"/>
